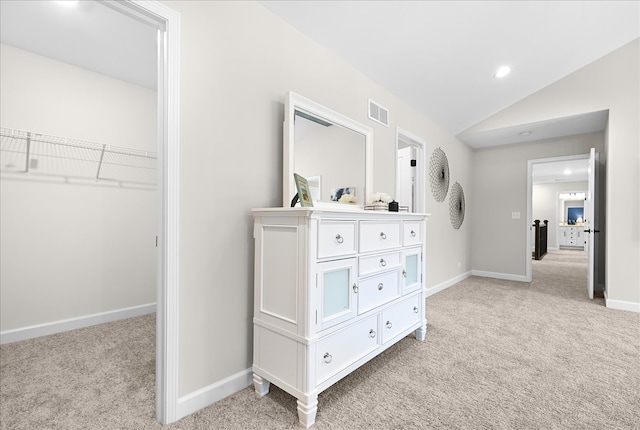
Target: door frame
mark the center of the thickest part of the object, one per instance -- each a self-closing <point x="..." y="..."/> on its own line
<point x="528" y="226"/>
<point x="167" y="21"/>
<point x="421" y="149"/>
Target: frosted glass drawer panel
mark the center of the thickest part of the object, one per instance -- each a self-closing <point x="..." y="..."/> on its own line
<point x="376" y="236"/>
<point x="412" y="269"/>
<point x="401" y="316"/>
<point x="337" y="351"/>
<point x="336" y="291"/>
<point x="411" y="232"/>
<point x="378" y="262"/>
<point x="378" y="290"/>
<point x="336" y="238"/>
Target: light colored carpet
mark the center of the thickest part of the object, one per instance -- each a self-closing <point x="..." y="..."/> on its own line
<point x="498" y="355"/>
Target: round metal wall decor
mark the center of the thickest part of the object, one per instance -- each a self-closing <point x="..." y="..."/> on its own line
<point x="439" y="174"/>
<point x="456" y="205"/>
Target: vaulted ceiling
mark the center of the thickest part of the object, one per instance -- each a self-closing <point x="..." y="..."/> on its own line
<point x="438" y="56"/>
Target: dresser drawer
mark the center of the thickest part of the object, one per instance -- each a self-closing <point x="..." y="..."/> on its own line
<point x="336" y="238"/>
<point x="338" y="350"/>
<point x="378" y="290"/>
<point x="375" y="263"/>
<point x="411" y="233"/>
<point x="377" y="236"/>
<point x="400" y="317"/>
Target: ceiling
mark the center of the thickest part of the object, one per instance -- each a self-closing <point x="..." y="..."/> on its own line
<point x="86" y="34"/>
<point x="438" y="56"/>
<point x="575" y="170"/>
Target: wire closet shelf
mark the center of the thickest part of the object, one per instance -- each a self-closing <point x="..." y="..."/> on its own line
<point x="34" y="155"/>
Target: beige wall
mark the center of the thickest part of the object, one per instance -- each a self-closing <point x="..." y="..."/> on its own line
<point x="238" y="62"/>
<point x="69" y="250"/>
<point x="500" y="188"/>
<point x="609" y="83"/>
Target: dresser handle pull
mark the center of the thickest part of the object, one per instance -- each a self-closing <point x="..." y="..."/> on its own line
<point x="372" y="333"/>
<point x="382" y="262"/>
<point x="327" y="357"/>
<point x="415" y="309"/>
<point x="339" y="238"/>
<point x="355" y="288"/>
<point x="404" y="273"/>
<point x="413" y="233"/>
<point x="389" y="325"/>
<point x="382" y="235"/>
<point x="380" y="286"/>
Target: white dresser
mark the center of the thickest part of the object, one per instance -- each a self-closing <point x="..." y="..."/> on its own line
<point x="333" y="289"/>
<point x="570" y="236"/>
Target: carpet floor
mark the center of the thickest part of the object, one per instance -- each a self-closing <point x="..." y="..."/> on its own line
<point x="498" y="355"/>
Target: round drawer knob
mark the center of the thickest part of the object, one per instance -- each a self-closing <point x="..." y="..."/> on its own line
<point x="380" y="286"/>
<point x="388" y="324"/>
<point x="355" y="288"/>
<point x="415" y="309"/>
<point x="404" y="273"/>
<point x="413" y="233"/>
<point x="339" y="238"/>
<point x="327" y="358"/>
<point x="372" y="333"/>
<point x="382" y="235"/>
<point x="382" y="262"/>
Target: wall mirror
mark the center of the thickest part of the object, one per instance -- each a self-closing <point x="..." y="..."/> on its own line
<point x="333" y="152"/>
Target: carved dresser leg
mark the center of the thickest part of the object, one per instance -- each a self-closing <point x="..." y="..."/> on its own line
<point x="307" y="411"/>
<point x="261" y="385"/>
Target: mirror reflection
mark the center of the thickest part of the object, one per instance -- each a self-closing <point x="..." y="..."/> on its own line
<point x="330" y="156"/>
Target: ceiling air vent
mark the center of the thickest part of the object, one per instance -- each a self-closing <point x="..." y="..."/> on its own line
<point x="378" y="113"/>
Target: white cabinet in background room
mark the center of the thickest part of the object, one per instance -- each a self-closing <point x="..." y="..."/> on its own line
<point x="571" y="236"/>
<point x="333" y="289"/>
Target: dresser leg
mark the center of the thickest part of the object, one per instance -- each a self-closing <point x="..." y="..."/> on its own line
<point x="261" y="385"/>
<point x="307" y="411"/>
<point x="421" y="333"/>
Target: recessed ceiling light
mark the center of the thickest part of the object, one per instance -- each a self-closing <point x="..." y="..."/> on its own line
<point x="502" y="72"/>
<point x="567" y="172"/>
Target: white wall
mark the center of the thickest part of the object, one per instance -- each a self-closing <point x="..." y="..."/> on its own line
<point x="546" y="205"/>
<point x="72" y="250"/>
<point x="238" y="62"/>
<point x="608" y="83"/>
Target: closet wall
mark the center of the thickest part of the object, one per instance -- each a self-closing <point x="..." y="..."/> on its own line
<point x="74" y="249"/>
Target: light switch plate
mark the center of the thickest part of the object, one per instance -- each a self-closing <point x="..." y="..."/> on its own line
<point x="515" y="215"/>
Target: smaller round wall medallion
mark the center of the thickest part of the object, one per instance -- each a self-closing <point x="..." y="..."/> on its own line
<point x="439" y="174"/>
<point x="456" y="205"/>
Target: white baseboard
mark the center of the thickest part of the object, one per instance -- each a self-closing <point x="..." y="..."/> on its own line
<point x="621" y="305"/>
<point x="496" y="275"/>
<point x="210" y="394"/>
<point x="54" y="327"/>
<point x="446" y="284"/>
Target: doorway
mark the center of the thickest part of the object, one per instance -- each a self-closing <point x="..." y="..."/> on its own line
<point x="572" y="215"/>
<point x="166" y="23"/>
<point x="410" y="165"/>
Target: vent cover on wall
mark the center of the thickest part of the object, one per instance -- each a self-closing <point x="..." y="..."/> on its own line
<point x="378" y="113"/>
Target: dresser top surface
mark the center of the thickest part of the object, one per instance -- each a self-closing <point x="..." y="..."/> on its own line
<point x="336" y="212"/>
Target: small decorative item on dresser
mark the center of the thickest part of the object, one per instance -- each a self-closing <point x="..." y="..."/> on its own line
<point x="393" y="206"/>
<point x="379" y="202"/>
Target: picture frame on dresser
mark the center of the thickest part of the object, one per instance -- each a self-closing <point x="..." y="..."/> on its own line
<point x="304" y="193"/>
